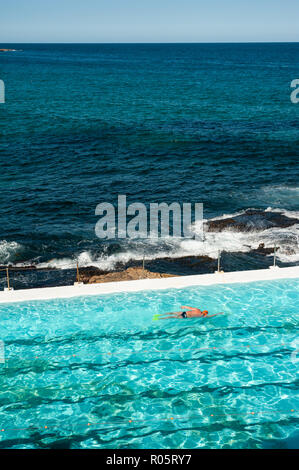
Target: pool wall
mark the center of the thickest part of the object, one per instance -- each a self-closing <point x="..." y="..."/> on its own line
<point x="149" y="284"/>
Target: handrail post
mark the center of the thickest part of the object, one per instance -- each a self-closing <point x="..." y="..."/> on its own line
<point x="78" y="275"/>
<point x="8" y="288"/>
<point x="7" y="277"/>
<point x="274" y="258"/>
<point x="78" y="282"/>
<point x="219" y="270"/>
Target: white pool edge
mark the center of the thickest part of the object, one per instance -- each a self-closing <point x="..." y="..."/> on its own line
<point x="47" y="293"/>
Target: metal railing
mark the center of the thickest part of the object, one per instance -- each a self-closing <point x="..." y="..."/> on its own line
<point x="79" y="281"/>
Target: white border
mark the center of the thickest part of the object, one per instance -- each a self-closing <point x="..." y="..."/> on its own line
<point x="148" y="284"/>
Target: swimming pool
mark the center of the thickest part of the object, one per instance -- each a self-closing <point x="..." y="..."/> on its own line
<point x="97" y="371"/>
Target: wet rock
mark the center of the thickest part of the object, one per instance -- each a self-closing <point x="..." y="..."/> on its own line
<point x="220" y="225"/>
<point x="265" y="251"/>
<point x="129" y="274"/>
<point x="251" y="220"/>
<point x="89" y="272"/>
<point x="18" y="268"/>
<point x="191" y="260"/>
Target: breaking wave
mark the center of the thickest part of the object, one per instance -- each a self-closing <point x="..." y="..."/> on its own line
<point x="228" y="240"/>
<point x="9" y="251"/>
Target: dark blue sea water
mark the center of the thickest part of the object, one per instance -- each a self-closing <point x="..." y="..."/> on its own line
<point x="82" y="123"/>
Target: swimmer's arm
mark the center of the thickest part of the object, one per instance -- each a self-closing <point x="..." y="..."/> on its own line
<point x="215" y="315"/>
<point x="190" y="309"/>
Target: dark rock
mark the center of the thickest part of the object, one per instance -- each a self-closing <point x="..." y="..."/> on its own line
<point x="89" y="272"/>
<point x="190" y="260"/>
<point x="220" y="225"/>
<point x="18" y="268"/>
<point x="251" y="220"/>
<point x="265" y="251"/>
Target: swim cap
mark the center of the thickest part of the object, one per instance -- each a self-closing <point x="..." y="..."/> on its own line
<point x="205" y="312"/>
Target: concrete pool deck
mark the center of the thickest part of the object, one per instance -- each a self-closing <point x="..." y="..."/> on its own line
<point x="47" y="293"/>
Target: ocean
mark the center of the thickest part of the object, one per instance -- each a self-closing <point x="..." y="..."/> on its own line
<point x="83" y="123"/>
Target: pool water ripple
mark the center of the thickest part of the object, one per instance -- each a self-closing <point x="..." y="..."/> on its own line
<point x="99" y="372"/>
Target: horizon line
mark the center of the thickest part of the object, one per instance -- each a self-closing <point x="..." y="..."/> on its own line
<point x="164" y="42"/>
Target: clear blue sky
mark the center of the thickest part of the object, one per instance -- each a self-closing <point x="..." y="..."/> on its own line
<point x="148" y="20"/>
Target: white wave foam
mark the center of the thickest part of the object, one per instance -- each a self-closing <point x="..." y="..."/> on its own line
<point x="281" y="187"/>
<point x="286" y="258"/>
<point x="290" y="214"/>
<point x="229" y="216"/>
<point x="287" y="239"/>
<point x="8" y="251"/>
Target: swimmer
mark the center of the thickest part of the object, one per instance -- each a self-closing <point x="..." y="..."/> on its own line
<point x="188" y="312"/>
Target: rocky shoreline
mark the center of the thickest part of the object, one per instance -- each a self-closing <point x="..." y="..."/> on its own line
<point x="255" y="258"/>
<point x="158" y="268"/>
<point x="251" y="220"/>
<point x="129" y="274"/>
<point x="90" y="275"/>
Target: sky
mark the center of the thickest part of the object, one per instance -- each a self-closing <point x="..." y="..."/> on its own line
<point x="114" y="21"/>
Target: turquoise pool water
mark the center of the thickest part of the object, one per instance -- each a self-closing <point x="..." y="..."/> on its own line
<point x="94" y="372"/>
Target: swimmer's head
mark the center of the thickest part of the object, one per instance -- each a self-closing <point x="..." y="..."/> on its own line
<point x="205" y="312"/>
